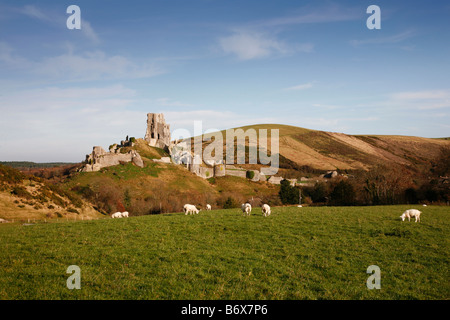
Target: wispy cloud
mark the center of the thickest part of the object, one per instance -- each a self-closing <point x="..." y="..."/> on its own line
<point x="247" y="45"/>
<point x="89" y="65"/>
<point x="396" y="38"/>
<point x="326" y="14"/>
<point x="257" y="39"/>
<point x="166" y="102"/>
<point x="58" y="20"/>
<point x="421" y="100"/>
<point x="298" y="87"/>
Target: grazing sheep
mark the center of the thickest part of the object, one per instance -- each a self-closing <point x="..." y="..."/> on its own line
<point x="116" y="215"/>
<point x="246" y="208"/>
<point x="189" y="208"/>
<point x="411" y="213"/>
<point x="125" y="214"/>
<point x="208" y="207"/>
<point x="265" y="210"/>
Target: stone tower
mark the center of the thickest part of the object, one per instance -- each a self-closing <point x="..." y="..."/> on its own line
<point x="158" y="132"/>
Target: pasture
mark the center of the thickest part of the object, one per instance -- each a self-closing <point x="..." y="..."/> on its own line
<point x="295" y="253"/>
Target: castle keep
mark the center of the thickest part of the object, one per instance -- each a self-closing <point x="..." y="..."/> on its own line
<point x="158" y="132"/>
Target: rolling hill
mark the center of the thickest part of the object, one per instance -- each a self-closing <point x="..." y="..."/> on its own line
<point x="165" y="187"/>
<point x="323" y="150"/>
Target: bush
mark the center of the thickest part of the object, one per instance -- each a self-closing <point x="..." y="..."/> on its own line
<point x="230" y="203"/>
<point x="288" y="194"/>
<point x="343" y="194"/>
<point x="21" y="192"/>
<point x="250" y="174"/>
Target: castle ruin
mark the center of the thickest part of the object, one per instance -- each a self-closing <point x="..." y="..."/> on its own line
<point x="158" y="132"/>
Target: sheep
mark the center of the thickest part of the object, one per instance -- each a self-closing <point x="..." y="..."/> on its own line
<point x="125" y="214"/>
<point x="208" y="207"/>
<point x="246" y="208"/>
<point x="265" y="210"/>
<point x="411" y="213"/>
<point x="189" y="208"/>
<point x="116" y="215"/>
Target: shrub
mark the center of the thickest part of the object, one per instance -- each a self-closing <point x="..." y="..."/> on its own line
<point x="250" y="174"/>
<point x="73" y="210"/>
<point x="230" y="203"/>
<point x="343" y="194"/>
<point x="21" y="192"/>
<point x="288" y="194"/>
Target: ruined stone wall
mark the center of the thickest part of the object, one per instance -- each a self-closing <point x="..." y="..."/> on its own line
<point x="99" y="158"/>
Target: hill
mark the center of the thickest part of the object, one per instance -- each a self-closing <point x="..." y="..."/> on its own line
<point x="160" y="187"/>
<point x="384" y="170"/>
<point x="24" y="196"/>
<point x="321" y="150"/>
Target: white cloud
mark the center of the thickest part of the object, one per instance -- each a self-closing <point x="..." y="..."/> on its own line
<point x="421" y="100"/>
<point x="89" y="32"/>
<point x="421" y="95"/>
<point x="89" y="65"/>
<point x="166" y="102"/>
<point x="246" y="45"/>
<point x="396" y="38"/>
<point x="59" y="20"/>
<point x="303" y="86"/>
<point x="326" y="14"/>
<point x="34" y="12"/>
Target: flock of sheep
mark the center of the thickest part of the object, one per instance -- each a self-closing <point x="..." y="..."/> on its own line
<point x="120" y="215"/>
<point x="247" y="209"/>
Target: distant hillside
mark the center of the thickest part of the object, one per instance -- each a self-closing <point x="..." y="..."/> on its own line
<point x="323" y="150"/>
<point x="33" y="165"/>
<point x="381" y="168"/>
<point x="24" y="196"/>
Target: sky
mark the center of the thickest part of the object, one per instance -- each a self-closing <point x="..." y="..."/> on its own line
<point x="313" y="64"/>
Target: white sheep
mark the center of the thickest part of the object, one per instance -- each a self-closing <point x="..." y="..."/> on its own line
<point x="246" y="208"/>
<point x="265" y="210"/>
<point x="125" y="214"/>
<point x="116" y="215"/>
<point x="411" y="213"/>
<point x="189" y="208"/>
<point x="208" y="207"/>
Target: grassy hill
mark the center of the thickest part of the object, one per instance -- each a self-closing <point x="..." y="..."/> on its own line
<point x="24" y="197"/>
<point x="162" y="188"/>
<point x="323" y="150"/>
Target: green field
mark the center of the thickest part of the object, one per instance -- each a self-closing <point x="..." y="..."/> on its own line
<point x="296" y="253"/>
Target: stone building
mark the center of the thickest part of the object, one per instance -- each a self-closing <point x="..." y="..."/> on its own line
<point x="158" y="132"/>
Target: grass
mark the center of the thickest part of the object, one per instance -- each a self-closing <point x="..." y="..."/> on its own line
<point x="296" y="253"/>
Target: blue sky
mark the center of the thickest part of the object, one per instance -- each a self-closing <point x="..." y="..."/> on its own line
<point x="312" y="64"/>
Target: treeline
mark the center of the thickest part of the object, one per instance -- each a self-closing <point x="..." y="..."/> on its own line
<point x="22" y="165"/>
<point x="381" y="185"/>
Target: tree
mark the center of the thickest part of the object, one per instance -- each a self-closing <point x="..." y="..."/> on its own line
<point x="343" y="194"/>
<point x="288" y="194"/>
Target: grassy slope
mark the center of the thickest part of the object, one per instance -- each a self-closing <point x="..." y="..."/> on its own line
<point x="329" y="150"/>
<point x="296" y="253"/>
<point x="160" y="180"/>
<point x="25" y="197"/>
